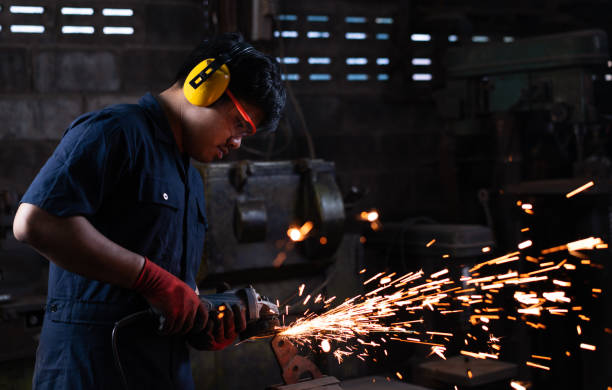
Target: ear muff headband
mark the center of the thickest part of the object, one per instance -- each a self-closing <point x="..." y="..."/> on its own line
<point x="207" y="81"/>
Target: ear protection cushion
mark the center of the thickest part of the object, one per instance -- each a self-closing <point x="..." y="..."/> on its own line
<point x="211" y="89"/>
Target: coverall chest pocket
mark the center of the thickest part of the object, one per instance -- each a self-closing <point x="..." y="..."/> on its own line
<point x="161" y="205"/>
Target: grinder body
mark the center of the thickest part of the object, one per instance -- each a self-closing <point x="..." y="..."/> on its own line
<point x="261" y="314"/>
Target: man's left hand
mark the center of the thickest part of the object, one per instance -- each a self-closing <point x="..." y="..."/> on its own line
<point x="221" y="330"/>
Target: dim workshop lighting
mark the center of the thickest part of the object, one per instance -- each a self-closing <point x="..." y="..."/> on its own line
<point x="77" y="11"/>
<point x="20" y="9"/>
<point x="117" y="12"/>
<point x="27" y="28"/>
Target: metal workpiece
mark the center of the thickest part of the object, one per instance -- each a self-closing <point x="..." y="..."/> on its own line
<point x="251" y="205"/>
<point x="293" y="366"/>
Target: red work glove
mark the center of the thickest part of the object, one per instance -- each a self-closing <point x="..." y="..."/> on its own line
<point x="221" y="330"/>
<point x="177" y="302"/>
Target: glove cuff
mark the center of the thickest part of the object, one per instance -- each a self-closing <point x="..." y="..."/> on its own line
<point x="150" y="277"/>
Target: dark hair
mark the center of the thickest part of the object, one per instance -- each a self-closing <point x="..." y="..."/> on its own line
<point x="254" y="76"/>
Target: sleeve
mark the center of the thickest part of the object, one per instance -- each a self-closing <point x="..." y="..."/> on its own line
<point x="88" y="162"/>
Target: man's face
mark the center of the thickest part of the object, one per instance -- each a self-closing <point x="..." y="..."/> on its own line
<point x="210" y="133"/>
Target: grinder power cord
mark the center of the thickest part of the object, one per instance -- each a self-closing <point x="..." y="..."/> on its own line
<point x="261" y="315"/>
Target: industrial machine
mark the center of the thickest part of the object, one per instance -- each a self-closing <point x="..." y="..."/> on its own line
<point x="250" y="207"/>
<point x="530" y="122"/>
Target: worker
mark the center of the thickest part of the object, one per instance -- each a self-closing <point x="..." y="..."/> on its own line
<point x="119" y="211"/>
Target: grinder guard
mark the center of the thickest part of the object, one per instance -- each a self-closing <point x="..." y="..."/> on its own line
<point x="261" y="314"/>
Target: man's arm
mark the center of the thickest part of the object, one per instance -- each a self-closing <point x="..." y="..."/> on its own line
<point x="75" y="245"/>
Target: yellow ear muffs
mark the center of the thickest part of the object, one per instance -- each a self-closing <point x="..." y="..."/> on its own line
<point x="211" y="89"/>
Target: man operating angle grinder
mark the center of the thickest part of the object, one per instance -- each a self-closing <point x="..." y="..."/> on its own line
<point x="119" y="211"/>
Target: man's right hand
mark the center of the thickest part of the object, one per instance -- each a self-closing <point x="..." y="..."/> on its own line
<point x="178" y="303"/>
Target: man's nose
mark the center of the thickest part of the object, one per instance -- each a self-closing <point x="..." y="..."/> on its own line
<point x="234" y="142"/>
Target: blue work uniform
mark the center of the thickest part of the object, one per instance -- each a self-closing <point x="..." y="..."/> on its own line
<point x="121" y="169"/>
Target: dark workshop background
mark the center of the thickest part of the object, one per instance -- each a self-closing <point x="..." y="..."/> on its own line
<point x="379" y="89"/>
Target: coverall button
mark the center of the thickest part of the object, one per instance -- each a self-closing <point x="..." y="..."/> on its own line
<point x="53" y="308"/>
<point x="165" y="196"/>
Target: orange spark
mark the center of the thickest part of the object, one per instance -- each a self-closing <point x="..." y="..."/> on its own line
<point x="517" y="386"/>
<point x="562" y="283"/>
<point x="497" y="260"/>
<point x="525" y="244"/>
<point x="279" y="260"/>
<point x="541" y="357"/>
<point x="430" y="243"/>
<point x="588" y="347"/>
<point x="435" y="275"/>
<point x="325" y="347"/>
<point x="579" y="189"/>
<point x="537" y="366"/>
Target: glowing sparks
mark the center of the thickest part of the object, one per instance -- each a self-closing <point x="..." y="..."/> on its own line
<point x="439" y="273"/>
<point x="325" y="347"/>
<point x="299" y="234"/>
<point x="307" y="299"/>
<point x="580" y="189"/>
<point x="588" y="347"/>
<point x="357" y="325"/>
<point x="301" y="290"/>
<point x="541" y="367"/>
<point x="430" y="243"/>
<point x="517" y="385"/>
<point x="562" y="283"/>
<point x="584" y="244"/>
<point x="486" y="249"/>
<point x="479" y="355"/>
<point x="541" y="357"/>
<point x="369" y="216"/>
<point x="525" y="244"/>
<point x="438" y="350"/>
<point x="399" y="375"/>
<point x="373" y="278"/>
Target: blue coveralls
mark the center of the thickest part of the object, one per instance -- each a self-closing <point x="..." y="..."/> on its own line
<point x="121" y="169"/>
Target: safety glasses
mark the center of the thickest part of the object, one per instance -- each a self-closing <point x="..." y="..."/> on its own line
<point x="242" y="111"/>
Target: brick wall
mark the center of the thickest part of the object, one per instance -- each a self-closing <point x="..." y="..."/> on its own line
<point x="47" y="79"/>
